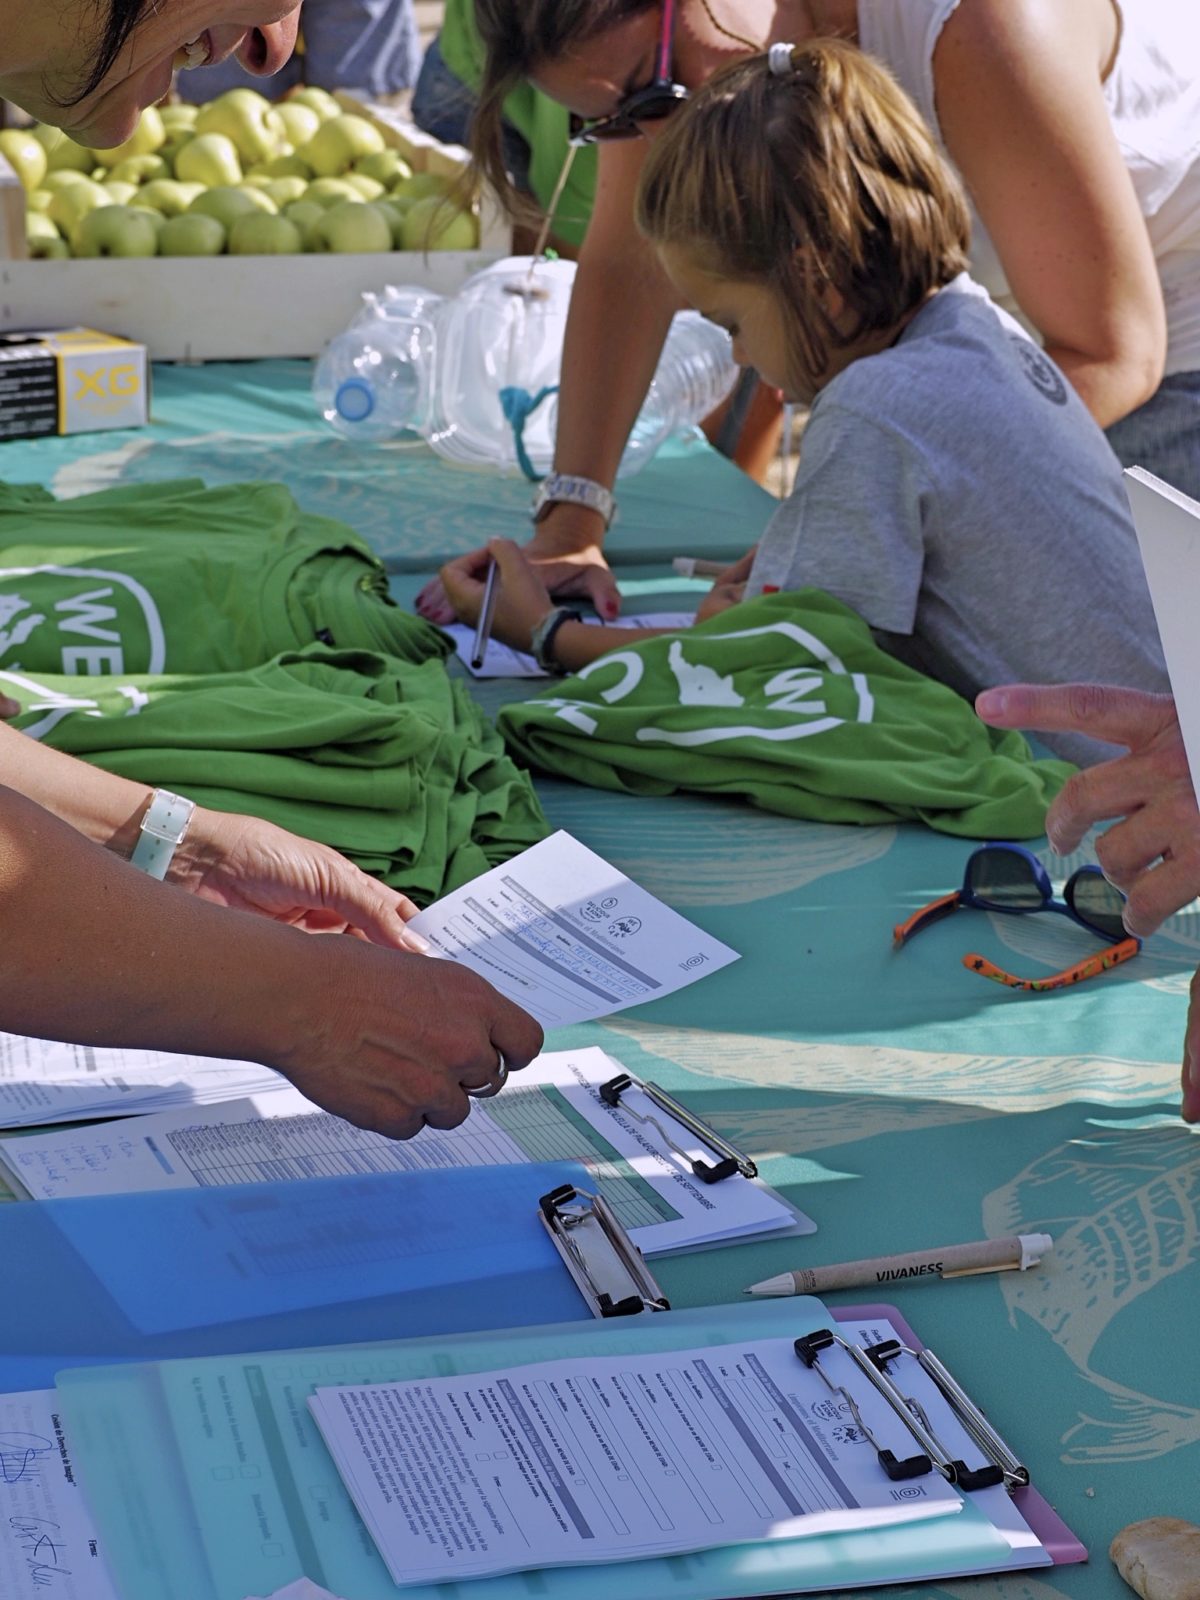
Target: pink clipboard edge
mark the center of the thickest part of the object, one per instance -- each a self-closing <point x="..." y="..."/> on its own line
<point x="1060" y="1543"/>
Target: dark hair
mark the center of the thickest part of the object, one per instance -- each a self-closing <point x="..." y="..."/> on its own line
<point x="825" y="175"/>
<point x="121" y="17"/>
<point x="517" y="35"/>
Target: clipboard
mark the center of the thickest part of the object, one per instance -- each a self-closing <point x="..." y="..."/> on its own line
<point x="182" y="1509"/>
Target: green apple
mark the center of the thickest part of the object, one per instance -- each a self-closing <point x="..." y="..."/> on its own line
<point x="179" y="115"/>
<point x="146" y="138"/>
<point x="210" y="159"/>
<point x="284" y="190"/>
<point x="115" y="231"/>
<point x="420" y="186"/>
<point x="139" y="169"/>
<point x="39" y="226"/>
<point x="63" y="154"/>
<point x="261" y="235"/>
<point x="191" y="234"/>
<point x="170" y="151"/>
<point x="227" y="203"/>
<point x="167" y="195"/>
<point x="26" y="156"/>
<point x="75" y="200"/>
<point x="320" y="100"/>
<point x="434" y="224"/>
<point x="43" y="238"/>
<point x="305" y="214"/>
<point x="121" y="193"/>
<point x="331" y="191"/>
<point x="39" y="200"/>
<point x="242" y="115"/>
<point x="395" y="215"/>
<point x="296" y="123"/>
<point x="352" y="228"/>
<point x="369" y="188"/>
<point x="63" y="179"/>
<point x="339" y="143"/>
<point x="386" y="166"/>
<point x="292" y="166"/>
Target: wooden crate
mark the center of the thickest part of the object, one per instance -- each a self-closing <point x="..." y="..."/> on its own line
<point x="221" y="308"/>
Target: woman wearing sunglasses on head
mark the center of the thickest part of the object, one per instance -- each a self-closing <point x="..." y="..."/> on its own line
<point x="1076" y="126"/>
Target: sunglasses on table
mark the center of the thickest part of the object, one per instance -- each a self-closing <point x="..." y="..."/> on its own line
<point x="651" y="103"/>
<point x="1009" y="878"/>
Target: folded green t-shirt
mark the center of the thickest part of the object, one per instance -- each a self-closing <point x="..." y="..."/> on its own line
<point x="788" y="702"/>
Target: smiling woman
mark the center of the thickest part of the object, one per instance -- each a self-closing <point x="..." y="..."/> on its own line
<point x="92" y="66"/>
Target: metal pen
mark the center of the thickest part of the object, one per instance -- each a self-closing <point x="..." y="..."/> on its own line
<point x="483" y="627"/>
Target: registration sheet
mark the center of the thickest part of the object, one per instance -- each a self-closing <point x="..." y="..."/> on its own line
<point x="568" y="936"/>
<point x="48" y="1542"/>
<point x="500" y="661"/>
<point x="608" y="1458"/>
<point x="635" y="1154"/>
<point x="42" y="1081"/>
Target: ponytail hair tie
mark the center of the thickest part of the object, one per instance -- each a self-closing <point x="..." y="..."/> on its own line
<point x="779" y="60"/>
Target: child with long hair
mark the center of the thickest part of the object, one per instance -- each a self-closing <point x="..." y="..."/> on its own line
<point x="953" y="489"/>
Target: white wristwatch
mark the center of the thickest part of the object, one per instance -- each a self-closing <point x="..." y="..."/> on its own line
<point x="557" y="487"/>
<point x="163" y="826"/>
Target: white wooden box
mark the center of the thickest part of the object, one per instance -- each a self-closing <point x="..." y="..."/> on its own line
<point x="223" y="308"/>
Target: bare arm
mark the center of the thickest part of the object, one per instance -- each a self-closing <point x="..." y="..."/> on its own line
<point x="1020" y="102"/>
<point x="621" y="309"/>
<point x="97" y="953"/>
<point x="231" y="860"/>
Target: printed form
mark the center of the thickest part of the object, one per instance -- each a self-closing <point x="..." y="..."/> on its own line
<point x="551" y="1111"/>
<point x="48" y="1542"/>
<point x="568" y="936"/>
<point x="608" y="1459"/>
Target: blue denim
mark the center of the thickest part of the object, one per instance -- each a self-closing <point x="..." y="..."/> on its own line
<point x="443" y="105"/>
<point x="1164" y="434"/>
<point x="348" y="44"/>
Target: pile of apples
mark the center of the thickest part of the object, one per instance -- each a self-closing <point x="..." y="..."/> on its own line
<point x="239" y="176"/>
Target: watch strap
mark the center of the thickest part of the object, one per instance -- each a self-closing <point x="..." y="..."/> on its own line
<point x="541" y="642"/>
<point x="163" y="826"/>
<point x="569" y="488"/>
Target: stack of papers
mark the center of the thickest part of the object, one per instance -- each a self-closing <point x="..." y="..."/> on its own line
<point x="611" y="1458"/>
<point x="42" y="1082"/>
<point x="552" y="1111"/>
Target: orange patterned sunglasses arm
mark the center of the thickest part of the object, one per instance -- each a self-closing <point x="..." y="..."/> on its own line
<point x="1091" y="968"/>
<point x="933" y="912"/>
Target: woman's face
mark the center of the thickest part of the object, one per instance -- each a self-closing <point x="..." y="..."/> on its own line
<point x="46" y="51"/>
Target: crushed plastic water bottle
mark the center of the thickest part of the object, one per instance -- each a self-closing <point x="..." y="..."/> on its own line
<point x="476" y="373"/>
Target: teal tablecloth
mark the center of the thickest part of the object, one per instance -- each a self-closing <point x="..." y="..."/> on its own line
<point x="899" y="1099"/>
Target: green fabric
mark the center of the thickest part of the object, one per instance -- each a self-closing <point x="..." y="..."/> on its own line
<point x="174" y="577"/>
<point x="788" y="702"/>
<point x="540" y="121"/>
<point x="390" y="762"/>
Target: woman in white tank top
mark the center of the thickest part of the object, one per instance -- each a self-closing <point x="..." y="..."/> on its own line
<point x="1075" y="124"/>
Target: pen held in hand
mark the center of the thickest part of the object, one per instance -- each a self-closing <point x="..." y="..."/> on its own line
<point x="950" y="1261"/>
<point x="483" y="627"/>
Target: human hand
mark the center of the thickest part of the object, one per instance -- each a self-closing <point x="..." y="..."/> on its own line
<point x="1190" y="1110"/>
<point x="251" y="865"/>
<point x="1153" y="855"/>
<point x="392" y="1043"/>
<point x="567" y="548"/>
<point x="729" y="587"/>
<point x="521" y="599"/>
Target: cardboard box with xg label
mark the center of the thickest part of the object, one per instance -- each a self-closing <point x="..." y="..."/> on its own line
<point x="73" y="380"/>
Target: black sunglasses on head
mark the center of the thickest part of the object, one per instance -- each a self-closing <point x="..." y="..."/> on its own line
<point x="651" y="103"/>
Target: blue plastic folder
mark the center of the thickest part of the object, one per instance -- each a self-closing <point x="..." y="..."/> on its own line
<point x="209" y="1480"/>
<point x="146" y="1277"/>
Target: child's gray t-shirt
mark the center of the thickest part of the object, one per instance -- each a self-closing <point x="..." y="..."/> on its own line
<point x="955" y="491"/>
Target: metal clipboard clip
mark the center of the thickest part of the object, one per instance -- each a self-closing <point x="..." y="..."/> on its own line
<point x="1001" y="1465"/>
<point x="730" y="1159"/>
<point x="607" y="1267"/>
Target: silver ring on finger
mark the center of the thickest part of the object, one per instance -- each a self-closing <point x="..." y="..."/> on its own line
<point x="495" y="1083"/>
